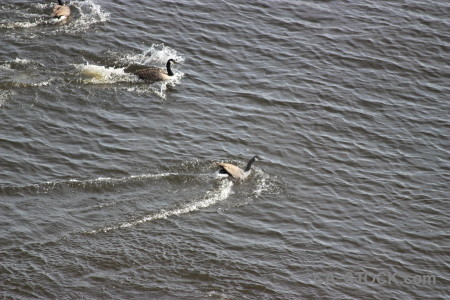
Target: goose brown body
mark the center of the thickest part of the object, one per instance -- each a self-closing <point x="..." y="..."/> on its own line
<point x="156" y="74"/>
<point x="232" y="170"/>
<point x="152" y="74"/>
<point x="235" y="171"/>
<point x="60" y="10"/>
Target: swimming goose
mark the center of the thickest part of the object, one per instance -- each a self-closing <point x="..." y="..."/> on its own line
<point x="60" y="11"/>
<point x="156" y="74"/>
<point x="237" y="172"/>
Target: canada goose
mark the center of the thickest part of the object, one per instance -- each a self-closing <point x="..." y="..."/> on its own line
<point x="60" y="11"/>
<point x="156" y="74"/>
<point x="237" y="172"/>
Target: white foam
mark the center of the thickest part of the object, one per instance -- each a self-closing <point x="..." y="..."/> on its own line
<point x="218" y="174"/>
<point x="26" y="80"/>
<point x="42" y="6"/>
<point x="22" y="61"/>
<point x="100" y="75"/>
<point x="144" y="176"/>
<point x="160" y="88"/>
<point x="5" y="66"/>
<point x="116" y="180"/>
<point x="211" y="198"/>
<point x="42" y="83"/>
<point x="21" y="24"/>
<point x="90" y="9"/>
<point x="262" y="185"/>
<point x="4" y="96"/>
<point x="156" y="55"/>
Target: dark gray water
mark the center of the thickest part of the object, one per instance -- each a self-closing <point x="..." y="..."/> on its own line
<point x="108" y="186"/>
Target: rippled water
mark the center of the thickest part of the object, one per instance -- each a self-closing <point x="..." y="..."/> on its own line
<point x="108" y="186"/>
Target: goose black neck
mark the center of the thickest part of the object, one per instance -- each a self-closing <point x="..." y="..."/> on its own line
<point x="60" y="2"/>
<point x="249" y="165"/>
<point x="169" y="70"/>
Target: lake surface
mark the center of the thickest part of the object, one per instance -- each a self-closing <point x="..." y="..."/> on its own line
<point x="108" y="185"/>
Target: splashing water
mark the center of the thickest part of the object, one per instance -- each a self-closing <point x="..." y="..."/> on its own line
<point x="84" y="15"/>
<point x="90" y="13"/>
<point x="23" y="73"/>
<point x="211" y="198"/>
<point x="4" y="97"/>
<point x="20" y="24"/>
<point x="156" y="55"/>
<point x="261" y="184"/>
<point x="80" y="183"/>
<point x="103" y="75"/>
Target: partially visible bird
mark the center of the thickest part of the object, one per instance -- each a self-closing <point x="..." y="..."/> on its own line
<point x="235" y="171"/>
<point x="156" y="74"/>
<point x="60" y="12"/>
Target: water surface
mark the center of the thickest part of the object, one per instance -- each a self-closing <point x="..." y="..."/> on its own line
<point x="108" y="186"/>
